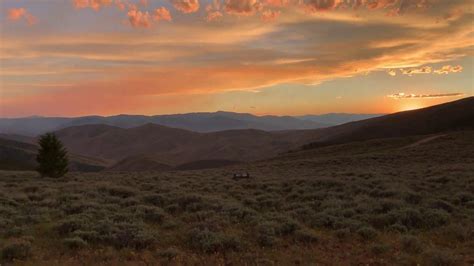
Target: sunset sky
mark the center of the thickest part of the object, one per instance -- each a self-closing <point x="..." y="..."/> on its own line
<point x="292" y="57"/>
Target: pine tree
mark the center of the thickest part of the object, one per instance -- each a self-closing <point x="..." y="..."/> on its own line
<point x="52" y="157"/>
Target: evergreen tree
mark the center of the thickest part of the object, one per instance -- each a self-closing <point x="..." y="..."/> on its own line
<point x="52" y="157"/>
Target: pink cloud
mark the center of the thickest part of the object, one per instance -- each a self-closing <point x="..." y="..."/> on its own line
<point x="186" y="6"/>
<point x="214" y="11"/>
<point x="94" y="4"/>
<point x="138" y="18"/>
<point x="120" y="5"/>
<point x="213" y="15"/>
<point x="16" y="14"/>
<point x="162" y="14"/>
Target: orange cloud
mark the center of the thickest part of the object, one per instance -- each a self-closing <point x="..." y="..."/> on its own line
<point x="276" y="3"/>
<point x="270" y="15"/>
<point x="412" y="71"/>
<point x="138" y="18"/>
<point x="392" y="72"/>
<point x="213" y="15"/>
<point x="213" y="11"/>
<point x="94" y="4"/>
<point x="449" y="69"/>
<point x="186" y="6"/>
<point x="242" y="7"/>
<point x="162" y="14"/>
<point x="15" y="14"/>
<point x="322" y="5"/>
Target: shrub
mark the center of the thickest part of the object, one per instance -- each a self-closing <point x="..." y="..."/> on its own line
<point x="52" y="157"/>
<point x="266" y="240"/>
<point x="436" y="218"/>
<point x="169" y="253"/>
<point x="343" y="233"/>
<point x="207" y="241"/>
<point x="13" y="231"/>
<point x="456" y="232"/>
<point x="151" y="214"/>
<point x="410" y="218"/>
<point x="154" y="199"/>
<point x="367" y="233"/>
<point x="306" y="236"/>
<point x="117" y="191"/>
<point x="411" y="244"/>
<point x="172" y="208"/>
<point x="287" y="226"/>
<point x="16" y="251"/>
<point x="70" y="225"/>
<point x="74" y="243"/>
<point x="441" y="204"/>
<point x="440" y="258"/>
<point x="413" y="198"/>
<point x="379" y="248"/>
<point x="267" y="232"/>
<point x="398" y="228"/>
<point x="131" y="236"/>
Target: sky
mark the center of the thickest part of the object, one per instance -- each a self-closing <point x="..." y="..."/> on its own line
<point x="281" y="57"/>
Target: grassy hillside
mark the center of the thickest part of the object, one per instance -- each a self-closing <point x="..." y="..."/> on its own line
<point x="456" y="115"/>
<point x="383" y="202"/>
<point x="15" y="155"/>
<point x="172" y="146"/>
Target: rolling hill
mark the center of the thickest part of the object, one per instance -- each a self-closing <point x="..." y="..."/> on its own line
<point x="15" y="155"/>
<point x="172" y="146"/>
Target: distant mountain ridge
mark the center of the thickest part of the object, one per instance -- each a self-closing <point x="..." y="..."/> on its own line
<point x="198" y="122"/>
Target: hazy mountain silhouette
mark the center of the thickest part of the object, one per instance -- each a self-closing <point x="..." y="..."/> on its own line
<point x="199" y="122"/>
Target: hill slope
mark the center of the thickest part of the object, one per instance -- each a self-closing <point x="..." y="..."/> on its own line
<point x="171" y="146"/>
<point x="15" y="155"/>
<point x="450" y="116"/>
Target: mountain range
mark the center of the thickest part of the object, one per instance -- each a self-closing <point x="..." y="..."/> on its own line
<point x="198" y="122"/>
<point x="161" y="148"/>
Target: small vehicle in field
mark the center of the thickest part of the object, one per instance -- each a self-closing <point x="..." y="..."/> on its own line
<point x="238" y="176"/>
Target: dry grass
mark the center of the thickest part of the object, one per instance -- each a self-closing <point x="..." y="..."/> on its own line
<point x="369" y="202"/>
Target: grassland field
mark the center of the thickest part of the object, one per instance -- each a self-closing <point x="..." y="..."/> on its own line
<point x="403" y="201"/>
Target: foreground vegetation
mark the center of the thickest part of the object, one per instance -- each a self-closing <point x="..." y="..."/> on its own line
<point x="399" y="201"/>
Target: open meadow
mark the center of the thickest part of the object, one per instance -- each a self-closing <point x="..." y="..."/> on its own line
<point x="401" y="201"/>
